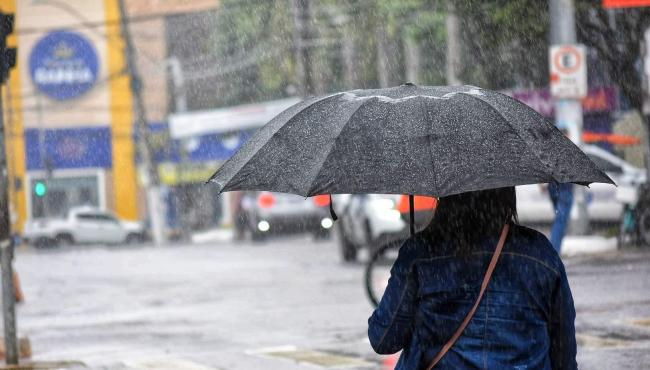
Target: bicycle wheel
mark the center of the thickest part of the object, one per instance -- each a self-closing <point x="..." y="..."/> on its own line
<point x="378" y="270"/>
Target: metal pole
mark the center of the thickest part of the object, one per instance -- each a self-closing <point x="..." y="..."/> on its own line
<point x="180" y="102"/>
<point x="569" y="111"/>
<point x="302" y="40"/>
<point x="43" y="154"/>
<point x="6" y="254"/>
<point x="453" y="45"/>
<point x="150" y="181"/>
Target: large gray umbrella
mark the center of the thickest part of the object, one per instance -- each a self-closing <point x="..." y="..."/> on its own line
<point x="409" y="139"/>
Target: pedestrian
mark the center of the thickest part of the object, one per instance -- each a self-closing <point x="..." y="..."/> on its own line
<point x="562" y="198"/>
<point x="525" y="318"/>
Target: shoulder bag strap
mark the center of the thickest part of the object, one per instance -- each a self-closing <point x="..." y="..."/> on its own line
<point x="468" y="318"/>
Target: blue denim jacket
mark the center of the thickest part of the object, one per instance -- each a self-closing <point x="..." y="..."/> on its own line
<point x="525" y="320"/>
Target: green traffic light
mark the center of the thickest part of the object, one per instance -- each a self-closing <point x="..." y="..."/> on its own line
<point x="40" y="189"/>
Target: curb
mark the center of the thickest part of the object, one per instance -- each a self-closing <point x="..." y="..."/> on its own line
<point x="37" y="365"/>
<point x="579" y="245"/>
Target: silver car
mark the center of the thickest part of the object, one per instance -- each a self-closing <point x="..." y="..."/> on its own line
<point x="263" y="213"/>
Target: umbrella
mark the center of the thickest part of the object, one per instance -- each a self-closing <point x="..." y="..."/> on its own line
<point x="408" y="139"/>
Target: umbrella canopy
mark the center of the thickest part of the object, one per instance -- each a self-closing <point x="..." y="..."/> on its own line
<point x="409" y="139"/>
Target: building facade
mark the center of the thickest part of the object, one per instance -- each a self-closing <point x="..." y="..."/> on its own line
<point x="68" y="106"/>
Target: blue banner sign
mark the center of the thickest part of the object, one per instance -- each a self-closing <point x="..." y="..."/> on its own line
<point x="203" y="148"/>
<point x="63" y="65"/>
<point x="68" y="148"/>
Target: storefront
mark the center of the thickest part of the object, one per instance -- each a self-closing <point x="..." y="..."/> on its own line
<point x="69" y="111"/>
<point x="66" y="168"/>
<point x="597" y="107"/>
<point x="202" y="141"/>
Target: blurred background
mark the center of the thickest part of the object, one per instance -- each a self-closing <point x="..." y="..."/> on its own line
<point x="118" y="111"/>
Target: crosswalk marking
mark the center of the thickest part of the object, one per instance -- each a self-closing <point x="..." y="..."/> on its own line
<point x="167" y="364"/>
<point x="314" y="357"/>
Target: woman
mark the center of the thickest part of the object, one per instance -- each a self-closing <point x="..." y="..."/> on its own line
<point x="525" y="320"/>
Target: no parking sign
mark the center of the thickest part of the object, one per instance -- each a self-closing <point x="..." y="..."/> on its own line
<point x="568" y="66"/>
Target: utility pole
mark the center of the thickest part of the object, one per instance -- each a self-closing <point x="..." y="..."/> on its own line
<point x="150" y="180"/>
<point x="412" y="59"/>
<point x="180" y="106"/>
<point x="302" y="41"/>
<point x="453" y="45"/>
<point x="568" y="112"/>
<point x="7" y="62"/>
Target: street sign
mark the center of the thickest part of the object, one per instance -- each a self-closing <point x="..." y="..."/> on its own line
<point x="568" y="67"/>
<point x="611" y="4"/>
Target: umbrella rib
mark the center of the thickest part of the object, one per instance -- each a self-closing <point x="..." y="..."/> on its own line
<point x="493" y="108"/>
<point x="331" y="149"/>
<point x="431" y="130"/>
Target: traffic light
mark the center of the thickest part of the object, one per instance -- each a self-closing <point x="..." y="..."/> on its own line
<point x="40" y="189"/>
<point x="7" y="55"/>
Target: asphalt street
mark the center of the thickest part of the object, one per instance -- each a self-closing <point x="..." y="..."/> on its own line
<point x="286" y="304"/>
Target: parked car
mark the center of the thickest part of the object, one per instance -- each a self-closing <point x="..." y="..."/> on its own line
<point x="263" y="213"/>
<point x="534" y="204"/>
<point x="370" y="220"/>
<point x="83" y="225"/>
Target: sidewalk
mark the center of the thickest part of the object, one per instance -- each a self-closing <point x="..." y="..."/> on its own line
<point x="213" y="235"/>
<point x="574" y="245"/>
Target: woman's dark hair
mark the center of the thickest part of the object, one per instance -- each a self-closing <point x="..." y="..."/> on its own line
<point x="467" y="218"/>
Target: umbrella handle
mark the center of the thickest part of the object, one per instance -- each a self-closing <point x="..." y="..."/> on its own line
<point x="332" y="213"/>
<point x="412" y="213"/>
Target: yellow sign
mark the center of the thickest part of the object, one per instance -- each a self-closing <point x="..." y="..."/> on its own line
<point x="175" y="174"/>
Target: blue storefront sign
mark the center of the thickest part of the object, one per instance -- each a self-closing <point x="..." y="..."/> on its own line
<point x="68" y="148"/>
<point x="203" y="148"/>
<point x="63" y="65"/>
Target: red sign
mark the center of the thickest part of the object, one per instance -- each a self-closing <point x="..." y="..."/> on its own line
<point x="610" y="4"/>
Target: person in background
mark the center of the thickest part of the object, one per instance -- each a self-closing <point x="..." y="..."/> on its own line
<point x="562" y="198"/>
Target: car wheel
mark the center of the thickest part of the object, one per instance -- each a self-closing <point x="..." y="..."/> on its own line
<point x="134" y="239"/>
<point x="64" y="240"/>
<point x="257" y="235"/>
<point x="322" y="234"/>
<point x="43" y="243"/>
<point x="348" y="250"/>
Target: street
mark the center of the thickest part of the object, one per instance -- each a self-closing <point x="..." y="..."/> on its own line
<point x="286" y="304"/>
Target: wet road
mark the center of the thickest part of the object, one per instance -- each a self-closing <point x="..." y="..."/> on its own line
<point x="286" y="304"/>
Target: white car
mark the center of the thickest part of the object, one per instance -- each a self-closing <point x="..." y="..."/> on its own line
<point x="534" y="204"/>
<point x="365" y="220"/>
<point x="83" y="225"/>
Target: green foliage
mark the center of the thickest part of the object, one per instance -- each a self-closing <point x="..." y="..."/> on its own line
<point x="504" y="44"/>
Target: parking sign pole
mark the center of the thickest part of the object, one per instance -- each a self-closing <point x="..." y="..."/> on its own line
<point x="568" y="107"/>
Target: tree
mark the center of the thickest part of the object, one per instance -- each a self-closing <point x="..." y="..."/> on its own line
<point x="505" y="43"/>
<point x="617" y="36"/>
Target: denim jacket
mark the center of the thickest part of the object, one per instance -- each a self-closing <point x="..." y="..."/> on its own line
<point x="525" y="320"/>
